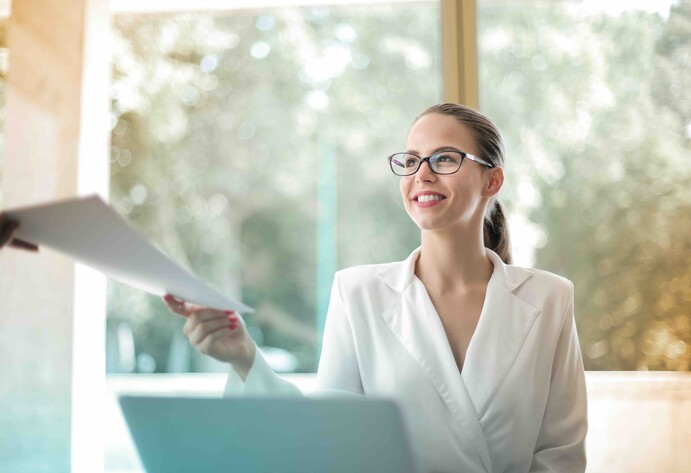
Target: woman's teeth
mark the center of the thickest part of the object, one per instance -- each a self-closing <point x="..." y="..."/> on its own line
<point x="427" y="198"/>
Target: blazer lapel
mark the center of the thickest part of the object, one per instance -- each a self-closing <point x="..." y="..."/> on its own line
<point x="504" y="322"/>
<point x="415" y="322"/>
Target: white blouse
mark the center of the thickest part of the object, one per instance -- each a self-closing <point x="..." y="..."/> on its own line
<point x="519" y="404"/>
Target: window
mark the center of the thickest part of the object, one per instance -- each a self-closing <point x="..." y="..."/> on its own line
<point x="251" y="145"/>
<point x="593" y="100"/>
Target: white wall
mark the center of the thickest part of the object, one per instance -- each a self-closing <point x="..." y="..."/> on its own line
<point x="52" y="314"/>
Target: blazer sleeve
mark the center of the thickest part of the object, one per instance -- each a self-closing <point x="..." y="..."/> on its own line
<point x="338" y="372"/>
<point x="261" y="381"/>
<point x="561" y="442"/>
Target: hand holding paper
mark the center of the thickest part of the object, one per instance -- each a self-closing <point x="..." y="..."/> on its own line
<point x="92" y="233"/>
<point x="220" y="334"/>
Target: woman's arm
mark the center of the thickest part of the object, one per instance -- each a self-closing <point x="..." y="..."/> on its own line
<point x="561" y="443"/>
<point x="260" y="380"/>
<point x="338" y="369"/>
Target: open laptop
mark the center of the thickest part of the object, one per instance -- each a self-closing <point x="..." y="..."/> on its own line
<point x="272" y="435"/>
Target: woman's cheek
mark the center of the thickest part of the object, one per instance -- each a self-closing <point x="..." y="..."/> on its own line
<point x="402" y="187"/>
<point x="405" y="187"/>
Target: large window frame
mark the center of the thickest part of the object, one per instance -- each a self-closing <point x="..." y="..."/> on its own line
<point x="460" y="79"/>
<point x="458" y="43"/>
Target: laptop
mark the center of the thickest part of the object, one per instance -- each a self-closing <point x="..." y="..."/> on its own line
<point x="269" y="435"/>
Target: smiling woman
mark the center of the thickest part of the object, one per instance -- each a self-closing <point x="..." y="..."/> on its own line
<point x="489" y="349"/>
<point x="478" y="137"/>
<point x="247" y="144"/>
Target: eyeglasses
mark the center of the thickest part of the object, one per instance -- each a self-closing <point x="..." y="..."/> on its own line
<point x="443" y="162"/>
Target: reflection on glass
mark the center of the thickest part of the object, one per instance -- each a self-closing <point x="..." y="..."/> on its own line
<point x="252" y="147"/>
<point x="594" y="102"/>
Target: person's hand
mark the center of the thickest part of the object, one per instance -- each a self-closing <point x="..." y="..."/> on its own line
<point x="7" y="230"/>
<point x="217" y="333"/>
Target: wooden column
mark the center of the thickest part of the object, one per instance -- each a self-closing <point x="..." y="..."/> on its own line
<point x="52" y="313"/>
<point x="459" y="47"/>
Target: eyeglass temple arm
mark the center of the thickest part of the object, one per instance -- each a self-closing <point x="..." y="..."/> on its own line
<point x="478" y="160"/>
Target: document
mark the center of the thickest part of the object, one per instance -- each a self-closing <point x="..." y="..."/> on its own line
<point x="89" y="231"/>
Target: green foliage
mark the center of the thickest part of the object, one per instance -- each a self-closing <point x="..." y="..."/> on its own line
<point x="595" y="111"/>
<point x="216" y="149"/>
<point x="223" y="145"/>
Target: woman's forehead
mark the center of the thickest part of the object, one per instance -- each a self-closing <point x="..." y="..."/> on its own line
<point x="434" y="131"/>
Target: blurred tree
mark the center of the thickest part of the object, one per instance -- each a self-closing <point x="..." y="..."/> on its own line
<point x="595" y="109"/>
<point x="216" y="127"/>
<point x="216" y="130"/>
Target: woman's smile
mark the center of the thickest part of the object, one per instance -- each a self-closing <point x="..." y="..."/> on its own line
<point x="426" y="199"/>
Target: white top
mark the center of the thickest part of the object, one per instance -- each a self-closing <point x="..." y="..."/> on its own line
<point x="519" y="404"/>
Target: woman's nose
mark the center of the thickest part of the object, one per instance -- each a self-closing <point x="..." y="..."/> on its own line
<point x="425" y="173"/>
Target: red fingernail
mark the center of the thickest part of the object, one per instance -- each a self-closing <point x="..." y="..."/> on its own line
<point x="233" y="326"/>
<point x="233" y="317"/>
<point x="228" y="312"/>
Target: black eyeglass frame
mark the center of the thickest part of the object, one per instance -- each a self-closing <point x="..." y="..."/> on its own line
<point x="422" y="160"/>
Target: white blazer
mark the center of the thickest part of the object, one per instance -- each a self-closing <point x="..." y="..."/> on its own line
<point x="519" y="404"/>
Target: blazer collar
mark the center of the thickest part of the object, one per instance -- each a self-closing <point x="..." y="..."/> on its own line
<point x="504" y="323"/>
<point x="401" y="274"/>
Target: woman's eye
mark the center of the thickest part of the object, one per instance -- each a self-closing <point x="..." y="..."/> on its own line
<point x="446" y="158"/>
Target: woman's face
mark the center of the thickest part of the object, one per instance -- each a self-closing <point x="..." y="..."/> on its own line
<point x="463" y="195"/>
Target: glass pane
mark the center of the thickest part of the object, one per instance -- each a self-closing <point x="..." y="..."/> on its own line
<point x="594" y="102"/>
<point x="252" y="146"/>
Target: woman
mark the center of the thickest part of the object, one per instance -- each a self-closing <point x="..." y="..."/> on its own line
<point x="482" y="356"/>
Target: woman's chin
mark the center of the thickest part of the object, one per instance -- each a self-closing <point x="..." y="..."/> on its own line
<point x="430" y="224"/>
<point x="439" y="225"/>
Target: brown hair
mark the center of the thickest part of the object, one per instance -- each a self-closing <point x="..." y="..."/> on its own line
<point x="491" y="147"/>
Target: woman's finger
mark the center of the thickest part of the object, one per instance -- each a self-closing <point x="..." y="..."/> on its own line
<point x="203" y="329"/>
<point x="205" y="313"/>
<point x="202" y="316"/>
<point x="205" y="346"/>
<point x="177" y="306"/>
<point x="198" y="316"/>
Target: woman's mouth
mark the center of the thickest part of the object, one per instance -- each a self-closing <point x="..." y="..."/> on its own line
<point x="428" y="200"/>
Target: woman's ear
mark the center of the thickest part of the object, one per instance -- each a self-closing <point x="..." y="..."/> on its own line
<point x="494" y="179"/>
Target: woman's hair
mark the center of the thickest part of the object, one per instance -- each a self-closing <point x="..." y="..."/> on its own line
<point x="491" y="146"/>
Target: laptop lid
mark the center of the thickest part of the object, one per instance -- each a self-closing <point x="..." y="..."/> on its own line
<point x="276" y="435"/>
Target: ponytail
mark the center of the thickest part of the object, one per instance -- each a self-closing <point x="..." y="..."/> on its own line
<point x="496" y="232"/>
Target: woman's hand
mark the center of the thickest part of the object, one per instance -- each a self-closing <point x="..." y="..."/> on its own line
<point x="219" y="334"/>
<point x="7" y="230"/>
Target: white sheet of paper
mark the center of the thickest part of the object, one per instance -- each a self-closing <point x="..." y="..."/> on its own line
<point x="91" y="232"/>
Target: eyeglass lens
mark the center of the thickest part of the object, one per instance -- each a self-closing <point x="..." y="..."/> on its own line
<point x="404" y="164"/>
